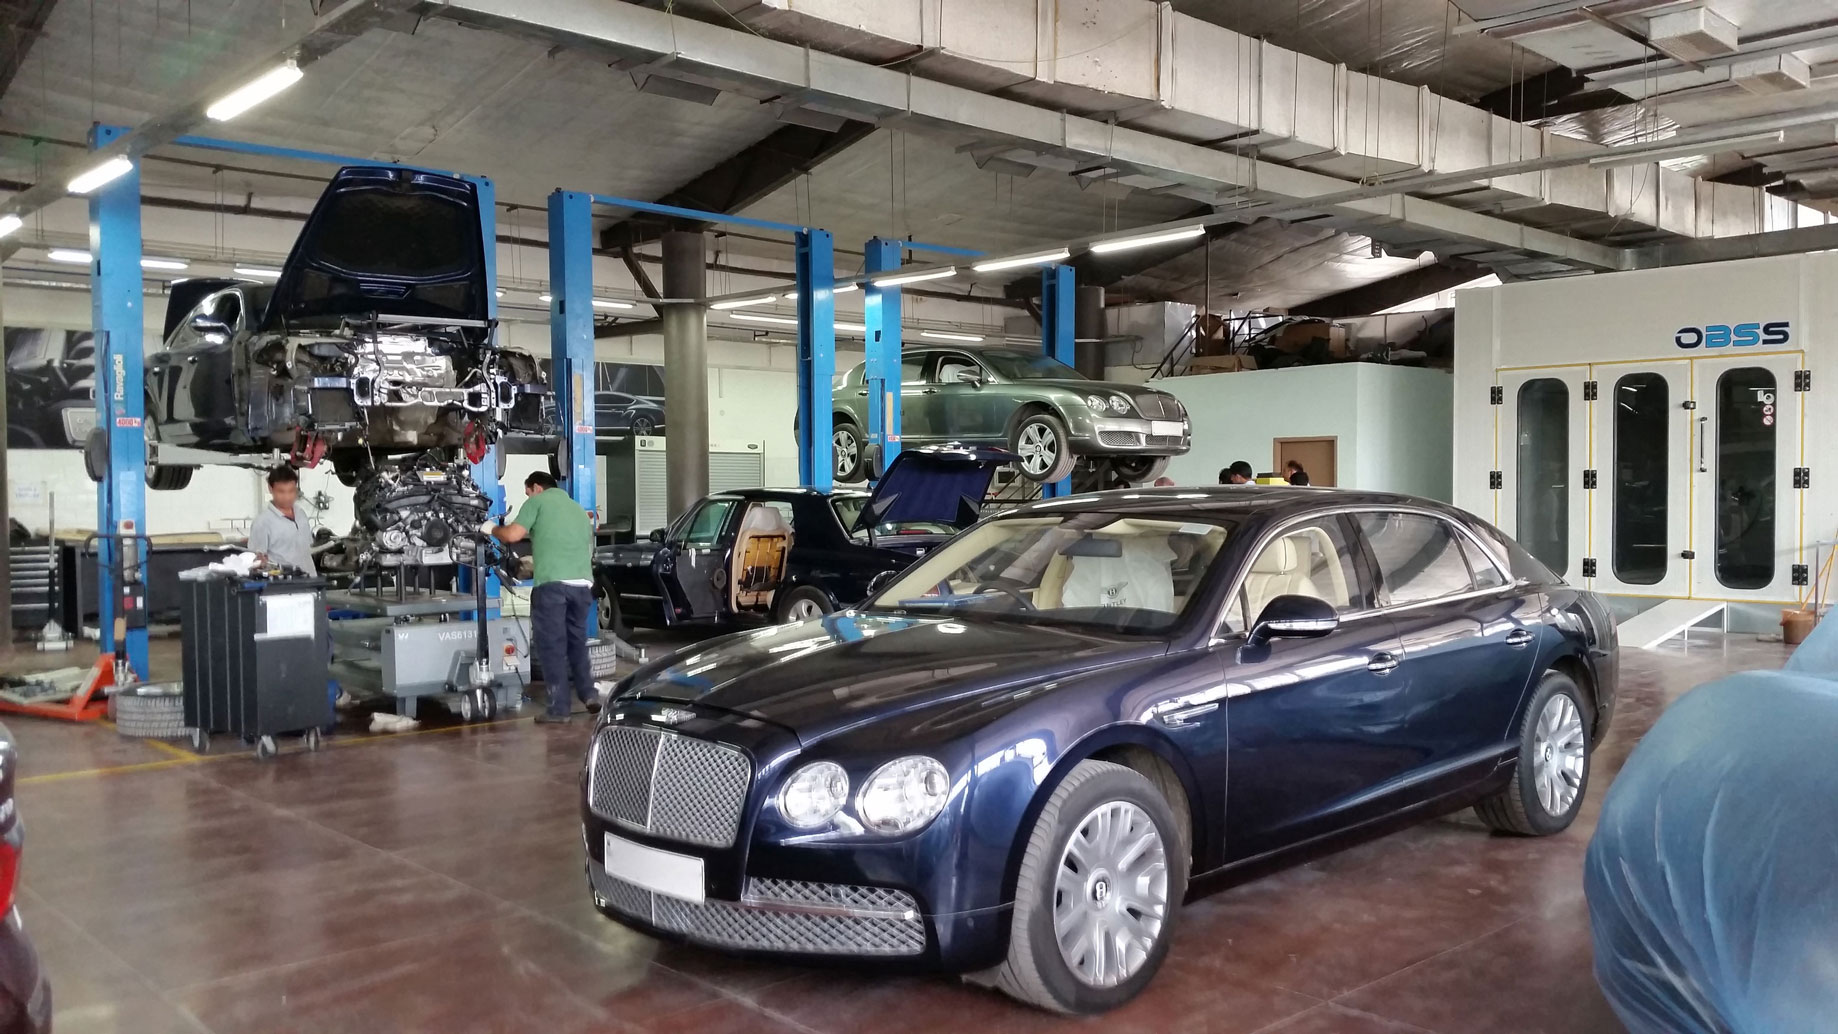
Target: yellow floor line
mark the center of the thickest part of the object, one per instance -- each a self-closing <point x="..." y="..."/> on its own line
<point x="181" y="756"/>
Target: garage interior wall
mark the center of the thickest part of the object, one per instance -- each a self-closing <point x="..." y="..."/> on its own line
<point x="1391" y="422"/>
<point x="752" y="392"/>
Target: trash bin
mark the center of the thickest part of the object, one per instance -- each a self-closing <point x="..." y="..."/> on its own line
<point x="254" y="656"/>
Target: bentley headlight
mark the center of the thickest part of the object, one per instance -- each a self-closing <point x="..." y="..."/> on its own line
<point x="814" y="794"/>
<point x="903" y="795"/>
<point x="1097" y="403"/>
<point x="1119" y="404"/>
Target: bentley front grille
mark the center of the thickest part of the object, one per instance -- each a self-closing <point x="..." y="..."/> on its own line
<point x="677" y="787"/>
<point x="789" y="916"/>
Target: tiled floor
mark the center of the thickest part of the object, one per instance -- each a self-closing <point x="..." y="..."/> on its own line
<point x="433" y="882"/>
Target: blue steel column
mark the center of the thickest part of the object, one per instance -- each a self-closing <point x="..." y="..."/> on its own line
<point x="571" y="336"/>
<point x="115" y="302"/>
<point x="816" y="263"/>
<point x="1058" y="291"/>
<point x="881" y="315"/>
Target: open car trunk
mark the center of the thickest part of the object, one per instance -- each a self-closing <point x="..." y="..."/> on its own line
<point x="929" y="494"/>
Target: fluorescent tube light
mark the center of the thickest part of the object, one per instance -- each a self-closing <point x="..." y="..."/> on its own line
<point x="97" y="175"/>
<point x="254" y="92"/>
<point x="1041" y="259"/>
<point x="609" y="303"/>
<point x="912" y="278"/>
<point x="260" y="272"/>
<point x="754" y="317"/>
<point x="10" y="223"/>
<point x="70" y="255"/>
<point x="859" y="328"/>
<point x="838" y="289"/>
<point x="545" y="298"/>
<point x="163" y="263"/>
<point x="736" y="303"/>
<point x="940" y="335"/>
<point x="1148" y="240"/>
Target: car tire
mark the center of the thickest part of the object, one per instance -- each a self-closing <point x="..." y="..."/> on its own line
<point x="1037" y="970"/>
<point x="1139" y="470"/>
<point x="1045" y="449"/>
<point x="162" y="478"/>
<point x="848" y="452"/>
<point x="641" y="427"/>
<point x="1552" y="774"/>
<point x="95" y="454"/>
<point x="802" y="604"/>
<point x="606" y="609"/>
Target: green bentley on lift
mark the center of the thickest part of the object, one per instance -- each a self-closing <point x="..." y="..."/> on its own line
<point x="1044" y="411"/>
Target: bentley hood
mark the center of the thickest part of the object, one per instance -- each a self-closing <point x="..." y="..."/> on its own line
<point x="391" y="241"/>
<point x="848" y="669"/>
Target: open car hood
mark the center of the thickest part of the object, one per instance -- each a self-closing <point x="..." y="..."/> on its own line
<point x="390" y="241"/>
<point x="943" y="484"/>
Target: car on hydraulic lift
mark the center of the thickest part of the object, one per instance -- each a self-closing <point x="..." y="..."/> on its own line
<point x="1012" y="758"/>
<point x="375" y="341"/>
<point x="1045" y="412"/>
<point x="786" y="554"/>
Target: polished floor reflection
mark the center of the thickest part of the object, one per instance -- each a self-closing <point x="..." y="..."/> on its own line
<point x="432" y="881"/>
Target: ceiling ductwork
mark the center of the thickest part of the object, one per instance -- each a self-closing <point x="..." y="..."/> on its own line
<point x="1142" y="64"/>
<point x="1715" y="64"/>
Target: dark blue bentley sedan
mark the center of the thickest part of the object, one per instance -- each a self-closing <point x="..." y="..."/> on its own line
<point x="1013" y="758"/>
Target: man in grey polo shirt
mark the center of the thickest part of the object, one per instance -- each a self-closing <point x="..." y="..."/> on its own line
<point x="281" y="534"/>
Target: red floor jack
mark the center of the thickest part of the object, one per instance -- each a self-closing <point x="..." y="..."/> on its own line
<point x="90" y="702"/>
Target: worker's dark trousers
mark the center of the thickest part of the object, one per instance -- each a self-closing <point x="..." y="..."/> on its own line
<point x="558" y="616"/>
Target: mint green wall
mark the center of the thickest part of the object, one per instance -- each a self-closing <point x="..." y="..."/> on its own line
<point x="1393" y="423"/>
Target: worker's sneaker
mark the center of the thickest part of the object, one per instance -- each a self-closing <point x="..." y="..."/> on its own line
<point x="551" y="719"/>
<point x="593" y="707"/>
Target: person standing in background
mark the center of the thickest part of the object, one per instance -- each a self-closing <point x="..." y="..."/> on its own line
<point x="561" y="538"/>
<point x="1239" y="473"/>
<point x="1294" y="474"/>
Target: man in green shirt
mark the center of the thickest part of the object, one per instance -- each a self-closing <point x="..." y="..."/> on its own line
<point x="561" y="538"/>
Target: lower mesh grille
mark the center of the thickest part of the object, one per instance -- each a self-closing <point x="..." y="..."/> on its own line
<point x="883" y="922"/>
<point x="1169" y="441"/>
<point x="1120" y="439"/>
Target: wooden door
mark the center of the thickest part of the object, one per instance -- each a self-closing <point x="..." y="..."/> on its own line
<point x="1318" y="456"/>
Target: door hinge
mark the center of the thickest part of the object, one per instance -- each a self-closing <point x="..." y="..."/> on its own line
<point x="1496" y="480"/>
<point x="1802" y="477"/>
<point x="1589" y="480"/>
<point x="1802" y="575"/>
<point x="1589" y="391"/>
<point x="1496" y="395"/>
<point x="1802" y="380"/>
<point x="1589" y="567"/>
<point x="1689" y="554"/>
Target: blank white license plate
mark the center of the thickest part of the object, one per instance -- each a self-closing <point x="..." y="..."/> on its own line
<point x="677" y="875"/>
<point x="1165" y="427"/>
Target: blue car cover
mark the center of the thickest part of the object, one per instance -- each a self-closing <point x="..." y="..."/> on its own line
<point x="1713" y="875"/>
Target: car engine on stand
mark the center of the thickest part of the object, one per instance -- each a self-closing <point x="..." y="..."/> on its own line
<point x="418" y="513"/>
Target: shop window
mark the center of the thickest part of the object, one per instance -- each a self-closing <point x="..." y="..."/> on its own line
<point x="1746" y="476"/>
<point x="1641" y="489"/>
<point x="1542" y="495"/>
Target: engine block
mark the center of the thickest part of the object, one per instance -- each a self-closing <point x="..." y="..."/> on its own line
<point x="419" y="513"/>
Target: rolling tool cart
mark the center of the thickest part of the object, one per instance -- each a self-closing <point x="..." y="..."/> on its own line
<point x="254" y="659"/>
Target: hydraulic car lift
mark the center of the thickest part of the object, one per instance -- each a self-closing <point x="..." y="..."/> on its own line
<point x="116" y="300"/>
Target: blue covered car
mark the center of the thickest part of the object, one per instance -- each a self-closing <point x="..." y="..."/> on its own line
<point x="1011" y="760"/>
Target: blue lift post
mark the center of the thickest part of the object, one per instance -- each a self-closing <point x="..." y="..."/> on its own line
<point x="816" y="267"/>
<point x="571" y="337"/>
<point x="881" y="375"/>
<point x="1058" y="291"/>
<point x="121" y="407"/>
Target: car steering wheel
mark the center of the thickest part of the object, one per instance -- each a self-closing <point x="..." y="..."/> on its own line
<point x="1010" y="590"/>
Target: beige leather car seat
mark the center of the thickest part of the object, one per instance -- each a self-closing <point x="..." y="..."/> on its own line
<point x="761" y="549"/>
<point x="1277" y="571"/>
<point x="1140" y="577"/>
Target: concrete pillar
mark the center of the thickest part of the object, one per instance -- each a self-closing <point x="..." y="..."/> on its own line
<point x="685" y="370"/>
<point x="1087" y="327"/>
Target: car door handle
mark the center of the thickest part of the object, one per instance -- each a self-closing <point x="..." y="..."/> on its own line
<point x="1382" y="663"/>
<point x="929" y="391"/>
<point x="1519" y="637"/>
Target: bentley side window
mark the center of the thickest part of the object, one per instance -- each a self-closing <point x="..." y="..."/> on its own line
<point x="1313" y="559"/>
<point x="912" y="369"/>
<point x="704" y="529"/>
<point x="1418" y="557"/>
<point x="952" y="367"/>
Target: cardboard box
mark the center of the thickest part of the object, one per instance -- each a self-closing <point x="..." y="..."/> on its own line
<point x="1297" y="336"/>
<point x="1220" y="363"/>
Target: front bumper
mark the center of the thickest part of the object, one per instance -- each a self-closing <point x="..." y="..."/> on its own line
<point x="1130" y="435"/>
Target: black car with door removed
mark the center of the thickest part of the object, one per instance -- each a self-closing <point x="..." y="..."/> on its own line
<point x="787" y="554"/>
